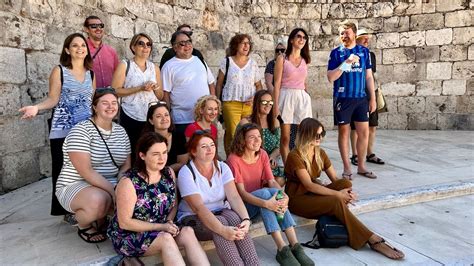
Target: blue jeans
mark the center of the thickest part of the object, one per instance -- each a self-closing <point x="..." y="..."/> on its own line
<point x="269" y="217"/>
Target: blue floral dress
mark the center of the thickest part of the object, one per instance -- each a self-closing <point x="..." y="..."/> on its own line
<point x="154" y="202"/>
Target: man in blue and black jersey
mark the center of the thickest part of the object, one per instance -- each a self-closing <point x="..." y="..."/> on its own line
<point x="350" y="69"/>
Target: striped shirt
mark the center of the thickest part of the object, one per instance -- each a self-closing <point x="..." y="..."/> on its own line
<point x="85" y="138"/>
<point x="350" y="84"/>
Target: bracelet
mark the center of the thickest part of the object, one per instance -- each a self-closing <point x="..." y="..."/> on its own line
<point x="247" y="219"/>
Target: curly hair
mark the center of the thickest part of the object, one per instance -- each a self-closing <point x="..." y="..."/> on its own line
<point x="238" y="143"/>
<point x="236" y="40"/>
<point x="201" y="104"/>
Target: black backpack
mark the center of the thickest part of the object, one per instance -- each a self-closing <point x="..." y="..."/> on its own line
<point x="330" y="233"/>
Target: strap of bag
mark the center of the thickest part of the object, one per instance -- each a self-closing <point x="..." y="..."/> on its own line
<point x="97" y="52"/>
<point x="128" y="67"/>
<point x="225" y="76"/>
<point x="107" y="146"/>
<point x="188" y="164"/>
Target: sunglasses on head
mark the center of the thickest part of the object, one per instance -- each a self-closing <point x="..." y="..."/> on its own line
<point x="189" y="33"/>
<point x="202" y="132"/>
<point x="299" y="36"/>
<point x="161" y="103"/>
<point x="280" y="50"/>
<point x="184" y="43"/>
<point x="321" y="135"/>
<point x="265" y="102"/>
<point x="142" y="44"/>
<point x="95" y="26"/>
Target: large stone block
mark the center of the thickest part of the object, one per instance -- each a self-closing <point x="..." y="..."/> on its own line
<point x="70" y="15"/>
<point x="412" y="38"/>
<point x="396" y="24"/>
<point x="45" y="161"/>
<point x="453" y="53"/>
<point x="284" y="10"/>
<point x="21" y="32"/>
<point x="398" y="55"/>
<point x="459" y="18"/>
<point x="40" y="65"/>
<point x="428" y="7"/>
<point x="408" y="7"/>
<point x="319" y="86"/>
<point x="11" y="6"/>
<point x="470" y="86"/>
<point x="470" y="52"/>
<point x="162" y="13"/>
<point x="229" y="23"/>
<point x="463" y="35"/>
<point x="121" y="27"/>
<point x="465" y="104"/>
<point x="463" y="70"/>
<point x="392" y="103"/>
<point x="10" y="57"/>
<point x="332" y="11"/>
<point x="451" y="5"/>
<point x="427" y="54"/>
<point x="19" y="135"/>
<point x="38" y="10"/>
<point x="454" y="87"/>
<point x="440" y="104"/>
<point x="422" y="121"/>
<point x="409" y="73"/>
<point x="9" y="100"/>
<point x="20" y="168"/>
<point x="150" y="28"/>
<point x="319" y="58"/>
<point x="383" y="9"/>
<point x="371" y="24"/>
<point x="194" y="4"/>
<point x="141" y="9"/>
<point x="310" y="11"/>
<point x="427" y="21"/>
<point x="385" y="74"/>
<point x="409" y="105"/>
<point x="428" y="88"/>
<point x="55" y="40"/>
<point x="398" y="89"/>
<point x="397" y="121"/>
<point x="322" y="106"/>
<point x="439" y="37"/>
<point x="439" y="70"/>
<point x="117" y="6"/>
<point x="455" y="121"/>
<point x="210" y="21"/>
<point x="387" y="40"/>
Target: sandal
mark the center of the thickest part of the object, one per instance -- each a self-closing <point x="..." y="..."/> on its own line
<point x="88" y="236"/>
<point x="370" y="175"/>
<point x="373" y="246"/>
<point x="354" y="160"/>
<point x="374" y="159"/>
<point x="347" y="176"/>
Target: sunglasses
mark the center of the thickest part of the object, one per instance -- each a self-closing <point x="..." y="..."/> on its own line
<point x="321" y="135"/>
<point x="265" y="102"/>
<point x="95" y="26"/>
<point x="280" y="50"/>
<point x="105" y="90"/>
<point x="189" y="33"/>
<point x="301" y="37"/>
<point x="184" y="43"/>
<point x="161" y="103"/>
<point x="142" y="44"/>
<point x="202" y="132"/>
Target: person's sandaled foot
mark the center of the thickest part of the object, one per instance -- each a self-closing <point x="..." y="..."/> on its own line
<point x="347" y="176"/>
<point x="367" y="174"/>
<point x="90" y="235"/>
<point x="372" y="158"/>
<point x="386" y="249"/>
<point x="354" y="160"/>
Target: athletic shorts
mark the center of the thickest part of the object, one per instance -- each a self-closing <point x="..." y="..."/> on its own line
<point x="347" y="110"/>
<point x="373" y="120"/>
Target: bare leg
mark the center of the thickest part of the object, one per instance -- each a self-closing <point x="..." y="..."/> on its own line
<point x="285" y="141"/>
<point x="384" y="248"/>
<point x="188" y="240"/>
<point x="342" y="141"/>
<point x="370" y="147"/>
<point x="362" y="129"/>
<point x="291" y="235"/>
<point x="353" y="142"/>
<point x="170" y="254"/>
<point x="280" y="243"/>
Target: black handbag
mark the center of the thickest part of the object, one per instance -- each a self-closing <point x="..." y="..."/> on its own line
<point x="330" y="233"/>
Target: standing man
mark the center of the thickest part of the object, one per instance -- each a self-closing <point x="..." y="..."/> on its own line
<point x="185" y="79"/>
<point x="170" y="53"/>
<point x="104" y="56"/>
<point x="363" y="39"/>
<point x="350" y="69"/>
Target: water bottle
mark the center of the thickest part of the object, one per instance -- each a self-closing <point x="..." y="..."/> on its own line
<point x="279" y="216"/>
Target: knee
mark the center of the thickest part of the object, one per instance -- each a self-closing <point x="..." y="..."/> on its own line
<point x="166" y="238"/>
<point x="344" y="183"/>
<point x="187" y="233"/>
<point x="98" y="203"/>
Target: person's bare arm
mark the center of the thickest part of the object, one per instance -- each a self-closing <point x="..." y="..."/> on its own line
<point x="269" y="82"/>
<point x="278" y="74"/>
<point x="219" y="84"/>
<point x="158" y="87"/>
<point x="369" y="81"/>
<point x="118" y="80"/>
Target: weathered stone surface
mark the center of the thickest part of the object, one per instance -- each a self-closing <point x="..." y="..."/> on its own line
<point x="427" y="54"/>
<point x="463" y="35"/>
<point x="387" y="40"/>
<point x="397" y="121"/>
<point x="12" y="57"/>
<point x="45" y="161"/>
<point x="392" y="103"/>
<point x="22" y="32"/>
<point x="470" y="87"/>
<point x="412" y="38"/>
<point x="438" y="70"/>
<point x="310" y="11"/>
<point x="194" y="4"/>
<point x="427" y="21"/>
<point x="115" y="6"/>
<point x="439" y="37"/>
<point x="408" y="7"/>
<point x="470" y="52"/>
<point x="398" y="89"/>
<point x="428" y="88"/>
<point x="425" y="121"/>
<point x="229" y="23"/>
<point x="355" y="10"/>
<point x="455" y="121"/>
<point x="319" y="86"/>
<point x="409" y="105"/>
<point x="396" y="24"/>
<point x="210" y="21"/>
<point x="141" y="9"/>
<point x="286" y="10"/>
<point x="459" y="18"/>
<point x="319" y="58"/>
<point x="453" y="53"/>
<point x="428" y="7"/>
<point x="20" y="168"/>
<point x="33" y="134"/>
<point x="40" y="65"/>
<point x="451" y="5"/>
<point x="9" y="99"/>
<point x="385" y="74"/>
<point x="334" y="11"/>
<point x="398" y="55"/>
<point x="465" y="104"/>
<point x="121" y="27"/>
<point x="152" y="29"/>
<point x="463" y="70"/>
<point x="56" y="36"/>
<point x="163" y="14"/>
<point x="409" y="73"/>
<point x="322" y="106"/>
<point x="11" y="6"/>
<point x="384" y="9"/>
<point x="371" y="24"/>
<point x="454" y="87"/>
<point x="440" y="104"/>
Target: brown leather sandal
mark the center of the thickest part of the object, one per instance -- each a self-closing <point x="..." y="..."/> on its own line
<point x="373" y="246"/>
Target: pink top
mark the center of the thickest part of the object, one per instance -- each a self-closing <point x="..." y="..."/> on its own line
<point x="294" y="77"/>
<point x="105" y="63"/>
<point x="251" y="175"/>
<point x="195" y="126"/>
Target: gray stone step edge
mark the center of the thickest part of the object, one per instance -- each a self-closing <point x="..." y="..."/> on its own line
<point x="374" y="203"/>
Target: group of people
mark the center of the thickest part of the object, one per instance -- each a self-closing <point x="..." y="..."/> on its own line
<point x="153" y="182"/>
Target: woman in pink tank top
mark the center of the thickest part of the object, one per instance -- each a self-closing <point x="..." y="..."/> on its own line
<point x="293" y="102"/>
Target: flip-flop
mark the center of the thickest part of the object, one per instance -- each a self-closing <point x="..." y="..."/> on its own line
<point x="383" y="242"/>
<point x="88" y="236"/>
<point x="374" y="159"/>
<point x="347" y="176"/>
<point x="367" y="174"/>
<point x="354" y="160"/>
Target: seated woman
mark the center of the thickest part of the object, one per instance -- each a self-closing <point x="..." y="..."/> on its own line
<point x="251" y="168"/>
<point x="158" y="120"/>
<point x="262" y="115"/>
<point x="96" y="152"/>
<point x="309" y="198"/>
<point x="146" y="207"/>
<point x="205" y="184"/>
<point x="206" y="111"/>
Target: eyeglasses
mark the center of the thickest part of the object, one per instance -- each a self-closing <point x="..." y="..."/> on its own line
<point x="301" y="37"/>
<point x="161" y="103"/>
<point x="244" y="43"/>
<point x="321" y="135"/>
<point x="95" y="26"/>
<point x="280" y="50"/>
<point x="142" y="44"/>
<point x="184" y="43"/>
<point x="265" y="102"/>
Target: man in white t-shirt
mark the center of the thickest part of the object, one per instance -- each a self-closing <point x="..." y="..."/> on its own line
<point x="185" y="78"/>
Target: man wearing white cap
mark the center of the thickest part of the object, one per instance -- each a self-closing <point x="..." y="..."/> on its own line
<point x="363" y="38"/>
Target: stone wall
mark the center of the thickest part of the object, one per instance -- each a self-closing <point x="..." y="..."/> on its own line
<point x="424" y="53"/>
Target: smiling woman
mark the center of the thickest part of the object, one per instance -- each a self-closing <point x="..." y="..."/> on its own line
<point x="206" y="111"/>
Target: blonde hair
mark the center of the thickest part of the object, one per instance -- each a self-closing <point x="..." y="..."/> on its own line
<point x="201" y="103"/>
<point x="346" y="24"/>
<point x="307" y="132"/>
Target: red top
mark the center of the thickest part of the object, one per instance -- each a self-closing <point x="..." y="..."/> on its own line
<point x="105" y="63"/>
<point x="195" y="127"/>
<point x="252" y="175"/>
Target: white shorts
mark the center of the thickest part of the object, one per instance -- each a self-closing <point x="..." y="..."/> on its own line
<point x="294" y="105"/>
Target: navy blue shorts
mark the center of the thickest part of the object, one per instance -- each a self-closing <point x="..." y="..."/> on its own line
<point x="348" y="110"/>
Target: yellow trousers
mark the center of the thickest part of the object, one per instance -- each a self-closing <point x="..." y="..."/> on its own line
<point x="233" y="112"/>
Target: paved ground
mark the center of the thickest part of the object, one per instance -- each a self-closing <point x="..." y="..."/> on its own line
<point x="421" y="166"/>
